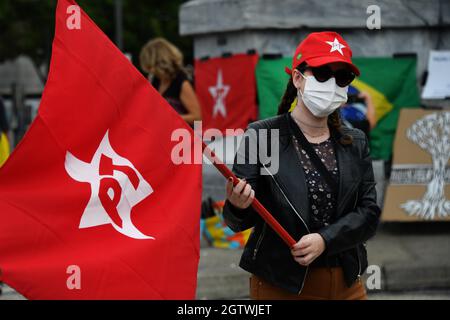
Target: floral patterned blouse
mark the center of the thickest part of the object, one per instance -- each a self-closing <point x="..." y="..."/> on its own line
<point x="322" y="199"/>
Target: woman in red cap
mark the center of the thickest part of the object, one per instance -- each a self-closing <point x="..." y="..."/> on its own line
<point x="323" y="192"/>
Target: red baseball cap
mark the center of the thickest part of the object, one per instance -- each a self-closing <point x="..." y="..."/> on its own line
<point x="320" y="48"/>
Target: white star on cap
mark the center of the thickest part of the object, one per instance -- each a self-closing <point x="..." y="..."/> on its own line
<point x="336" y="46"/>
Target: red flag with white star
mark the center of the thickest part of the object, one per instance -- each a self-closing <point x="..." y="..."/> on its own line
<point x="90" y="201"/>
<point x="226" y="88"/>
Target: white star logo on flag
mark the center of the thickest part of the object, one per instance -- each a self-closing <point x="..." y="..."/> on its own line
<point x="116" y="187"/>
<point x="336" y="46"/>
<point x="219" y="92"/>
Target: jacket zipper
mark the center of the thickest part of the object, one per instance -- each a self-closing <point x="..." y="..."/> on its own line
<point x="286" y="198"/>
<point x="356" y="201"/>
<point x="349" y="194"/>
<point x="357" y="248"/>
<point x="303" y="282"/>
<point x="258" y="243"/>
<point x="359" y="264"/>
<point x="298" y="215"/>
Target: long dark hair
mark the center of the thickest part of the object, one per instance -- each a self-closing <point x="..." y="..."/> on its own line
<point x="334" y="119"/>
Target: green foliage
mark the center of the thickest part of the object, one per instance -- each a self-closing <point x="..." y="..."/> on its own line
<point x="27" y="26"/>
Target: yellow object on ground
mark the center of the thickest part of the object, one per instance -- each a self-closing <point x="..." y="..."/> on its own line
<point x="4" y="148"/>
<point x="219" y="234"/>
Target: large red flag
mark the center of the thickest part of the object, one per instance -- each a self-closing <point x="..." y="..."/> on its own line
<point x="226" y="88"/>
<point x="91" y="204"/>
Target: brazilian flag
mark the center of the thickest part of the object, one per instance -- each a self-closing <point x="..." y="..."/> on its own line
<point x="391" y="82"/>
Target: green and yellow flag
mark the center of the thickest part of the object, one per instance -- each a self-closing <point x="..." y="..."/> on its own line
<point x="391" y="82"/>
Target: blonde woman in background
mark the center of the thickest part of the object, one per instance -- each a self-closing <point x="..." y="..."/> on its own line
<point x="163" y="62"/>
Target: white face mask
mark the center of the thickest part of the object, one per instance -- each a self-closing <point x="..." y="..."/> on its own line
<point x="322" y="98"/>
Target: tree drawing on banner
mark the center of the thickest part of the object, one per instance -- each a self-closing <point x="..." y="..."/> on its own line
<point x="431" y="133"/>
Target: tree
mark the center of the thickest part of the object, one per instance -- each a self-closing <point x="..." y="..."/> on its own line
<point x="27" y="26"/>
<point x="432" y="134"/>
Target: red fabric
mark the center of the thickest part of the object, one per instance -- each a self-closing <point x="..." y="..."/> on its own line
<point x="93" y="90"/>
<point x="320" y="48"/>
<point x="238" y="93"/>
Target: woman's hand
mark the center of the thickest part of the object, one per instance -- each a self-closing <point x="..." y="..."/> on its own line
<point x="241" y="195"/>
<point x="308" y="249"/>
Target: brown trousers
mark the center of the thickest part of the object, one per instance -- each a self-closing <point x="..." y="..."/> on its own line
<point x="320" y="284"/>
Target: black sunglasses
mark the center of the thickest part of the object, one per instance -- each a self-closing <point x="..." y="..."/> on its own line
<point x="343" y="76"/>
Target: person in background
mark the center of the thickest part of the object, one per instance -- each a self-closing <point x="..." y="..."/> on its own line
<point x="164" y="64"/>
<point x="359" y="111"/>
<point x="4" y="129"/>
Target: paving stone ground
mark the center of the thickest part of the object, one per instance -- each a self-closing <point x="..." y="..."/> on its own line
<point x="413" y="258"/>
<point x="414" y="261"/>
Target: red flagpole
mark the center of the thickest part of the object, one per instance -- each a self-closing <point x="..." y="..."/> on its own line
<point x="273" y="223"/>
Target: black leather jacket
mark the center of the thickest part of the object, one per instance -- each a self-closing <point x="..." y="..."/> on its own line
<point x="284" y="194"/>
